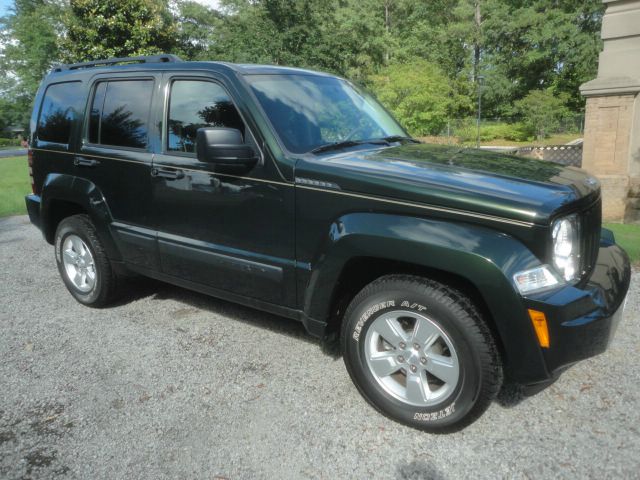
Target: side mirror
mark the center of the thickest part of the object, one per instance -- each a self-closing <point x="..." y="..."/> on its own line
<point x="226" y="148"/>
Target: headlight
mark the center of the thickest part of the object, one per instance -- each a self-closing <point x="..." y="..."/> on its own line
<point x="566" y="246"/>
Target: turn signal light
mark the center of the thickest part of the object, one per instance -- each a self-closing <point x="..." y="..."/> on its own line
<point x="539" y="321"/>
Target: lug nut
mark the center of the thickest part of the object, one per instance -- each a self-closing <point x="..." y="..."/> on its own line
<point x="423" y="360"/>
<point x="400" y="359"/>
<point x="402" y="345"/>
<point x="416" y="346"/>
<point x="414" y="368"/>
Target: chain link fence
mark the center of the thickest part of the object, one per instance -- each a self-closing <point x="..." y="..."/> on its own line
<point x="508" y="129"/>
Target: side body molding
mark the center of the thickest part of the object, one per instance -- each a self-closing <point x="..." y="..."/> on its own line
<point x="82" y="192"/>
<point x="486" y="258"/>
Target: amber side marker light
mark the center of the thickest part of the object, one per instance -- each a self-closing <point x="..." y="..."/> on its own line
<point x="539" y="321"/>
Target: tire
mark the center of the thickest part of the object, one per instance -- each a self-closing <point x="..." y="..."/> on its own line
<point x="78" y="251"/>
<point x="440" y="380"/>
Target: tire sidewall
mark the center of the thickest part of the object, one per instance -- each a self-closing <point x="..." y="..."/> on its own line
<point x="446" y="413"/>
<point x="65" y="229"/>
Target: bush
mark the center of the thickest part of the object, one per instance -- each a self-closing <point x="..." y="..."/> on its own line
<point x="9" y="142"/>
<point x="542" y="112"/>
<point x="467" y="131"/>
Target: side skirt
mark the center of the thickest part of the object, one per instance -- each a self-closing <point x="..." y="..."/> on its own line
<point x="315" y="328"/>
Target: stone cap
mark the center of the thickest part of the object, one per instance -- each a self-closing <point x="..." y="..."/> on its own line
<point x="610" y="86"/>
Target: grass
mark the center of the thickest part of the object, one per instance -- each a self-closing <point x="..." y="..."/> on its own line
<point x="628" y="237"/>
<point x="14" y="185"/>
<point x="559" y="139"/>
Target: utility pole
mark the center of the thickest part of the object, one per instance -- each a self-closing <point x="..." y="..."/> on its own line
<point x="476" y="65"/>
<point x="479" y="81"/>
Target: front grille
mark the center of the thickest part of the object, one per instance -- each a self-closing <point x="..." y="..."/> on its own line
<point x="590" y="224"/>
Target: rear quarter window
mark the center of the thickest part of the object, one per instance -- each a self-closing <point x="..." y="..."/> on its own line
<point x="62" y="105"/>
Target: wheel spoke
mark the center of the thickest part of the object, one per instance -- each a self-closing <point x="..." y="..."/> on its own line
<point x="69" y="255"/>
<point x="424" y="333"/>
<point x="86" y="256"/>
<point x="442" y="367"/>
<point x="416" y="389"/>
<point x="77" y="245"/>
<point x="391" y="331"/>
<point x="384" y="363"/>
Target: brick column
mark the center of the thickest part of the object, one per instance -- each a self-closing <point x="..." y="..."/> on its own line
<point x="612" y="123"/>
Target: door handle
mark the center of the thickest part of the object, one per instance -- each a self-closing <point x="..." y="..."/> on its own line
<point x="85" y="162"/>
<point x="170" y="173"/>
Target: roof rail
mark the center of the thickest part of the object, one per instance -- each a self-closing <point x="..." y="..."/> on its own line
<point x="115" y="61"/>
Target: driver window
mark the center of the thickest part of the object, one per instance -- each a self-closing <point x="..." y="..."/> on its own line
<point x="195" y="104"/>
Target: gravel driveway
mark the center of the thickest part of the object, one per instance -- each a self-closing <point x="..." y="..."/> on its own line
<point x="173" y="384"/>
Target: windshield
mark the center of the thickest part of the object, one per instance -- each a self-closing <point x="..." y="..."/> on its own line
<point x="309" y="111"/>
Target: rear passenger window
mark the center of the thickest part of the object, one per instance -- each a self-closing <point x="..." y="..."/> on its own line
<point x="61" y="106"/>
<point x="196" y="104"/>
<point x="119" y="113"/>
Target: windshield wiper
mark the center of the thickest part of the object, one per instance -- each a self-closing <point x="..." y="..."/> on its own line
<point x="347" y="143"/>
<point x="399" y="138"/>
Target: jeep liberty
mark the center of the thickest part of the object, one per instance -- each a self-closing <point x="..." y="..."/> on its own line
<point x="444" y="271"/>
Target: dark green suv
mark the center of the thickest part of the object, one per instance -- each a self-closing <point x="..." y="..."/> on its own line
<point x="445" y="271"/>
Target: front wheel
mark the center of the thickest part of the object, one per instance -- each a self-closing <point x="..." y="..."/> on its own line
<point x="420" y="352"/>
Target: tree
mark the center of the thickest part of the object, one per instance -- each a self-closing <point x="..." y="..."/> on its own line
<point x="542" y="112"/>
<point x="28" y="48"/>
<point x="111" y="28"/>
<point x="197" y="26"/>
<point x="418" y="94"/>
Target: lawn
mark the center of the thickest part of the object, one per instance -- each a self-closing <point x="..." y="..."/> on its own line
<point x="14" y="185"/>
<point x="628" y="237"/>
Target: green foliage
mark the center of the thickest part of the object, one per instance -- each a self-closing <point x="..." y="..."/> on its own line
<point x="28" y="47"/>
<point x="14" y="185"/>
<point x="418" y="95"/>
<point x="517" y="45"/>
<point x="628" y="237"/>
<point x="542" y="112"/>
<point x="9" y="142"/>
<point x="467" y="131"/>
<point x="113" y="28"/>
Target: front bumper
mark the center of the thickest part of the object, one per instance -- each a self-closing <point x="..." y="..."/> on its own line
<point x="582" y="319"/>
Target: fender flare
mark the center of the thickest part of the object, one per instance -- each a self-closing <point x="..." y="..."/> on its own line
<point x="486" y="258"/>
<point x="87" y="195"/>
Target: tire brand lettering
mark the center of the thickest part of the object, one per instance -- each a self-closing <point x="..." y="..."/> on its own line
<point x="370" y="311"/>
<point x="430" y="417"/>
<point x="414" y="306"/>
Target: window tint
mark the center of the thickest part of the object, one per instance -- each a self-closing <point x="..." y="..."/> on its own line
<point x="60" y="107"/>
<point x="120" y="113"/>
<point x="196" y="104"/>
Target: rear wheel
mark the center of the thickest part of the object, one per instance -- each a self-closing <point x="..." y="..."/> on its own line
<point x="82" y="262"/>
<point x="420" y="353"/>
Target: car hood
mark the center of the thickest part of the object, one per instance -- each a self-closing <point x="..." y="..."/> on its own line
<point x="473" y="180"/>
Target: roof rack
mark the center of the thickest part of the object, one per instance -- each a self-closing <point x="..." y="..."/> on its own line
<point x="115" y="61"/>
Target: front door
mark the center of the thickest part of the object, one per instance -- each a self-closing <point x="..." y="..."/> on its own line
<point x="232" y="233"/>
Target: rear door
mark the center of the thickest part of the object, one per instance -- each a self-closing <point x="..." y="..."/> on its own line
<point x="230" y="232"/>
<point x="116" y="155"/>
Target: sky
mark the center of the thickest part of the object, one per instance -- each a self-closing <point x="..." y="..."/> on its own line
<point x="5" y="4"/>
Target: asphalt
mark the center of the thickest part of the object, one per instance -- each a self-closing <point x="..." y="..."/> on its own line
<point x="13" y="152"/>
<point x="174" y="384"/>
